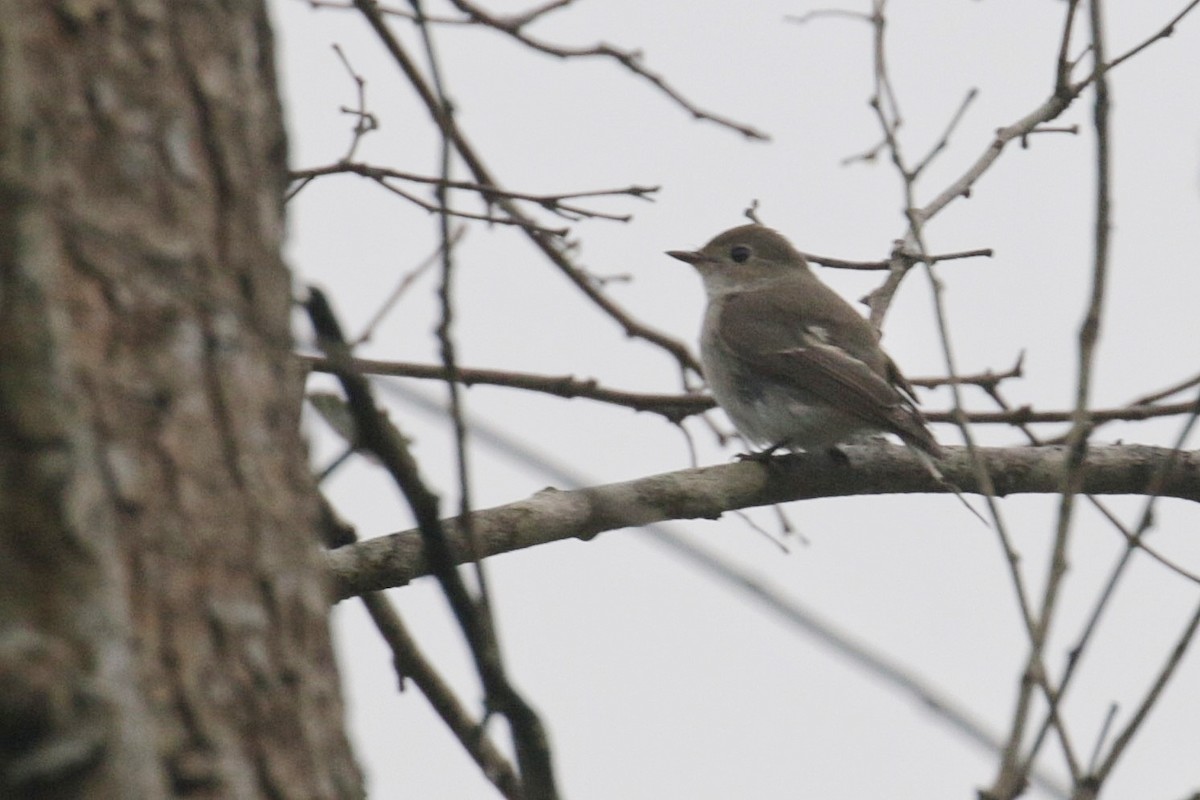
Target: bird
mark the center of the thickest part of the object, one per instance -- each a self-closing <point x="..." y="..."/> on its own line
<point x="793" y="365"/>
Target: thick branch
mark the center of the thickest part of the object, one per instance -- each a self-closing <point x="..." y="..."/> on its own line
<point x="708" y="492"/>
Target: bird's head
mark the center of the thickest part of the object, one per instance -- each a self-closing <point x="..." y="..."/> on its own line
<point x="743" y="257"/>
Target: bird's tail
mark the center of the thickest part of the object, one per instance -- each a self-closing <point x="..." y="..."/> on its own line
<point x="926" y="456"/>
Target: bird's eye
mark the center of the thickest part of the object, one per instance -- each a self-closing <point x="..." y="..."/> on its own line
<point x="739" y="253"/>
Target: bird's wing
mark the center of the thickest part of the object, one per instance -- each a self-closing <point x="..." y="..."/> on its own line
<point x="900" y="382"/>
<point x="793" y="351"/>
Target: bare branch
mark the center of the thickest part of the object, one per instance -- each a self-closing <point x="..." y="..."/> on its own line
<point x="1133" y="542"/>
<point x="554" y="203"/>
<point x="365" y="122"/>
<point x="514" y="26"/>
<point x="1162" y="33"/>
<point x="630" y="59"/>
<point x="987" y="380"/>
<point x="519" y="20"/>
<point x="1064" y="94"/>
<point x="886" y="106"/>
<point x="1152" y="695"/>
<point x="826" y="13"/>
<point x="411" y="663"/>
<point x="1162" y="394"/>
<point x="548" y="245"/>
<point x="376" y="435"/>
<point x="406" y="282"/>
<point x="1089" y="334"/>
<point x="838" y="263"/>
<point x="709" y="492"/>
<point x="941" y="143"/>
<point x="677" y="407"/>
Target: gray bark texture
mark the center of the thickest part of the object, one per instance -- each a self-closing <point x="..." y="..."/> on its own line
<point x="163" y="605"/>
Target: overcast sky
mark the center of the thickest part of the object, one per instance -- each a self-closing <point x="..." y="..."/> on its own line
<point x="656" y="681"/>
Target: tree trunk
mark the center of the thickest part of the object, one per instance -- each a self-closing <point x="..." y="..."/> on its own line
<point x="163" y="616"/>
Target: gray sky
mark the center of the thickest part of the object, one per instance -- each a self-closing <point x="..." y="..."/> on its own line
<point x="655" y="681"/>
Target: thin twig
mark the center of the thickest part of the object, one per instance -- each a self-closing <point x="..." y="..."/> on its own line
<point x="410" y="664"/>
<point x="674" y="407"/>
<point x="839" y="263"/>
<point x="550" y="246"/>
<point x="1089" y="336"/>
<point x="1151" y="699"/>
<point x="1162" y="394"/>
<point x="554" y="203"/>
<point x="1026" y="415"/>
<point x="514" y="26"/>
<point x="377" y="435"/>
<point x="1081" y="427"/>
<point x="941" y="143"/>
<point x="1133" y="543"/>
<point x="1136" y="540"/>
<point x="886" y="107"/>
<point x="364" y="121"/>
<point x="1102" y="738"/>
<point x="1064" y="94"/>
<point x="987" y="380"/>
<point x="523" y="222"/>
<point x="406" y="282"/>
<point x="1131" y="539"/>
<point x="630" y="59"/>
<point x="528" y="736"/>
<point x="822" y="13"/>
<point x="1162" y="33"/>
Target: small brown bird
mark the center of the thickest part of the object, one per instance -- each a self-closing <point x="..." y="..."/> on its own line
<point x="792" y="363"/>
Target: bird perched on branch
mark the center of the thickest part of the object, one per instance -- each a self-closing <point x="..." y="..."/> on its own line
<point x="793" y="364"/>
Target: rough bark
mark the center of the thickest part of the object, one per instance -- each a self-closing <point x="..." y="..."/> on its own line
<point x="163" y="615"/>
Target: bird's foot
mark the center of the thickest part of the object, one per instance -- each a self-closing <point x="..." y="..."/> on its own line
<point x="759" y="456"/>
<point x="765" y="456"/>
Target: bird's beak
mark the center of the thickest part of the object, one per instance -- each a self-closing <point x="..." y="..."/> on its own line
<point x="689" y="256"/>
